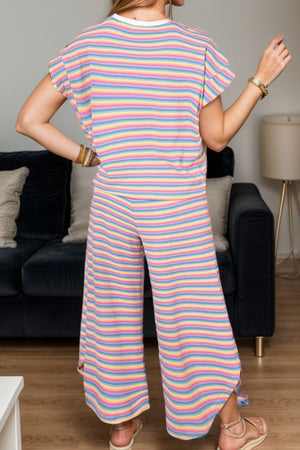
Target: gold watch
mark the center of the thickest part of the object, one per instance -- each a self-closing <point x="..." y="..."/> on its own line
<point x="261" y="85"/>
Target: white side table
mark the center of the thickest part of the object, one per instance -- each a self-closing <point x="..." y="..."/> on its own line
<point x="10" y="428"/>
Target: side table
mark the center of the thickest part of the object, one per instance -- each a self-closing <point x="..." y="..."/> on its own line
<point x="10" y="428"/>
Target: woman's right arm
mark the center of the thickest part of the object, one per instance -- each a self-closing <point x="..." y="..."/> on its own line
<point x="217" y="127"/>
<point x="34" y="121"/>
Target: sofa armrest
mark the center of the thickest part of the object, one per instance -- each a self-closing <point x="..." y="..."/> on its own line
<point x="251" y="238"/>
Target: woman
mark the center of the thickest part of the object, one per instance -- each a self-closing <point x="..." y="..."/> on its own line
<point x="142" y="87"/>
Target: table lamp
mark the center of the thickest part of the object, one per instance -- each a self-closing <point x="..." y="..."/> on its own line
<point x="280" y="160"/>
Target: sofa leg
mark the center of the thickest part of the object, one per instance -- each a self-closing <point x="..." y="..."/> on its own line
<point x="259" y="346"/>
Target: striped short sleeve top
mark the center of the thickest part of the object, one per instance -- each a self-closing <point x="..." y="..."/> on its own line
<point x="137" y="89"/>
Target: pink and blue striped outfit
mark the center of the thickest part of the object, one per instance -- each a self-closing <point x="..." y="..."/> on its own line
<point x="137" y="89"/>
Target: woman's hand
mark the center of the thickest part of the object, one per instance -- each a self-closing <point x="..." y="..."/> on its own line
<point x="273" y="61"/>
<point x="95" y="162"/>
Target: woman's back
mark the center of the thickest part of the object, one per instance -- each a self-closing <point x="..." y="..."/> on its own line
<point x="137" y="89"/>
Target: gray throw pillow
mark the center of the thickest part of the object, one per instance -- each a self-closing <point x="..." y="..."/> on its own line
<point x="11" y="187"/>
<point x="218" y="196"/>
<point x="81" y="188"/>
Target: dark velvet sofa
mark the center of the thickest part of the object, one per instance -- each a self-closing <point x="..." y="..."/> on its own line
<point x="41" y="280"/>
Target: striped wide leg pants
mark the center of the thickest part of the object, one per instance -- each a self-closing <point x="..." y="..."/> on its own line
<point x="199" y="361"/>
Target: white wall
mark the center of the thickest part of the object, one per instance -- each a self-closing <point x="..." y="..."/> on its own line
<point x="33" y="31"/>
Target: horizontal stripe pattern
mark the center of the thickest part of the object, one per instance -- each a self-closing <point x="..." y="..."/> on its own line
<point x="199" y="360"/>
<point x="137" y="91"/>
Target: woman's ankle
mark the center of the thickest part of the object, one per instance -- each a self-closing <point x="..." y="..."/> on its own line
<point x="237" y="426"/>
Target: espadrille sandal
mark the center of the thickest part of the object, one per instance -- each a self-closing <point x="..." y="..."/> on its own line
<point x="251" y="444"/>
<point x="138" y="426"/>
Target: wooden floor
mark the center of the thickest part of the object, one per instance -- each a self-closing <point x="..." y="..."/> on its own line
<point x="54" y="415"/>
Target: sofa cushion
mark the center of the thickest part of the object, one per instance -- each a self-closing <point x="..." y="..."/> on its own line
<point x="55" y="270"/>
<point x="11" y="186"/>
<point x="11" y="261"/>
<point x="45" y="198"/>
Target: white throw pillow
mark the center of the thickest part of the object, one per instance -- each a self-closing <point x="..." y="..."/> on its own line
<point x="11" y="187"/>
<point x="218" y="196"/>
<point x="81" y="188"/>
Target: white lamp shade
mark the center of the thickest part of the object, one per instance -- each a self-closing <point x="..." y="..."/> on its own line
<point x="280" y="147"/>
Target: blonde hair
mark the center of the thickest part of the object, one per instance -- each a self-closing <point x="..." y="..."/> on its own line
<point x="123" y="5"/>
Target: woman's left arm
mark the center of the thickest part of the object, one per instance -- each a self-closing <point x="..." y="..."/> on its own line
<point x="217" y="127"/>
<point x="34" y="121"/>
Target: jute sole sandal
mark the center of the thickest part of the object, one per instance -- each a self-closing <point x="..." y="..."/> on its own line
<point x="251" y="444"/>
<point x="138" y="426"/>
